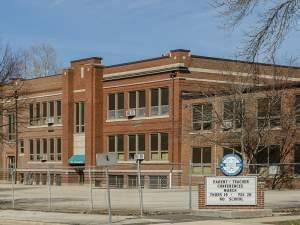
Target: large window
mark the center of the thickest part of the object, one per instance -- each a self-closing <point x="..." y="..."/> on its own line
<point x="116" y="106"/>
<point x="233" y="112"/>
<point x="268" y="112"/>
<point x="159" y="146"/>
<point x="11" y="127"/>
<point x="158" y="182"/>
<point x="116" y="181"/>
<point x="21" y="146"/>
<point x="201" y="160"/>
<point x="136" y="144"/>
<point x="79" y="117"/>
<point x="40" y="113"/>
<point x="267" y="160"/>
<point x="202" y="117"/>
<point x="116" y="144"/>
<point x="159" y="101"/>
<point x="133" y="181"/>
<point x="232" y="150"/>
<point x="137" y="102"/>
<point x="38" y="149"/>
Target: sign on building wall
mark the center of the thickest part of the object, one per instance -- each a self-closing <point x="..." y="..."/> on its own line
<point x="231" y="190"/>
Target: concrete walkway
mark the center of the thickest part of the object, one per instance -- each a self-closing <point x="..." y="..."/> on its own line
<point x="16" y="217"/>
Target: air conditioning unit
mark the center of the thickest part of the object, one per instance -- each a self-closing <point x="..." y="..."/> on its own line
<point x="227" y="125"/>
<point x="44" y="158"/>
<point x="139" y="157"/>
<point x="130" y="113"/>
<point x="50" y="121"/>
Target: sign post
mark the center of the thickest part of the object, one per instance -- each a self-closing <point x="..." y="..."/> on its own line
<point x="107" y="160"/>
<point x="139" y="159"/>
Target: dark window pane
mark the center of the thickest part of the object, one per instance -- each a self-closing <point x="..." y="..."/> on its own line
<point x="164" y="141"/>
<point x="51" y="109"/>
<point x="262" y="155"/>
<point x="44" y="109"/>
<point x="196" y="155"/>
<point x="132" y="99"/>
<point x="141" y="142"/>
<point x="154" y="142"/>
<point x="207" y="112"/>
<point x="297" y="159"/>
<point x="82" y="113"/>
<point x="132" y="143"/>
<point x="111" y="101"/>
<point x="58" y="145"/>
<point x="45" y="150"/>
<point x="274" y="154"/>
<point x="164" y="96"/>
<point x="51" y="145"/>
<point x="111" y="143"/>
<point x="275" y="107"/>
<point x="262" y="107"/>
<point x="77" y="113"/>
<point x="206" y="155"/>
<point x="228" y="110"/>
<point x="120" y="100"/>
<point x="38" y="111"/>
<point x="58" y="108"/>
<point x="227" y="151"/>
<point x="197" y="113"/>
<point x="154" y="97"/>
<point x="142" y="102"/>
<point x="120" y="143"/>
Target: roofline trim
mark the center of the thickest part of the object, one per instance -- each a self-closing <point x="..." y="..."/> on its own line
<point x="137" y="61"/>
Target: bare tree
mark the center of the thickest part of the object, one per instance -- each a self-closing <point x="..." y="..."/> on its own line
<point x="274" y="19"/>
<point x="40" y="60"/>
<point x="250" y="117"/>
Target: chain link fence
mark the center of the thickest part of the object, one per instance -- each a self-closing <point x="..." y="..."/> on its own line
<point x="167" y="187"/>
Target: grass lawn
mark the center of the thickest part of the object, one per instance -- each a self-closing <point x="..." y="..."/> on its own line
<point x="290" y="222"/>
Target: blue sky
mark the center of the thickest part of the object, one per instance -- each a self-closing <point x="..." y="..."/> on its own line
<point x="123" y="30"/>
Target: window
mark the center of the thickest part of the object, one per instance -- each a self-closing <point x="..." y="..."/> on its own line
<point x="267" y="160"/>
<point x="232" y="150"/>
<point x="11" y="127"/>
<point x="233" y="112"/>
<point x="31" y="150"/>
<point x="136" y="144"/>
<point x="133" y="181"/>
<point x="52" y="151"/>
<point x="40" y="111"/>
<point x="45" y="148"/>
<point x="116" y="106"/>
<point x="58" y="149"/>
<point x="79" y="117"/>
<point x="137" y="102"/>
<point x="268" y="112"/>
<point x="58" y="112"/>
<point x="158" y="182"/>
<point x="21" y="146"/>
<point x="201" y="160"/>
<point x="116" y="144"/>
<point x="116" y="181"/>
<point x="159" y="146"/>
<point x="297" y="159"/>
<point x="159" y="101"/>
<point x="202" y="117"/>
<point x="38" y="149"/>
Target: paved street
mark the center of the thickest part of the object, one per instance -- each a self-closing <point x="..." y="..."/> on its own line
<point x="12" y="217"/>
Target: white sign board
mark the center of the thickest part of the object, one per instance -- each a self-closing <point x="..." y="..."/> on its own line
<point x="106" y="159"/>
<point x="239" y="190"/>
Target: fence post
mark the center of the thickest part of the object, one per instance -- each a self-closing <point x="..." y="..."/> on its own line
<point x="140" y="187"/>
<point x="108" y="196"/>
<point x="170" y="178"/>
<point x="49" y="189"/>
<point x="12" y="171"/>
<point x="190" y="184"/>
<point x="91" y="189"/>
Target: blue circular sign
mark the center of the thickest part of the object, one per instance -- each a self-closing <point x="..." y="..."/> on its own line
<point x="231" y="165"/>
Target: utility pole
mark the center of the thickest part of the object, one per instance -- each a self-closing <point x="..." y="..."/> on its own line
<point x="16" y="96"/>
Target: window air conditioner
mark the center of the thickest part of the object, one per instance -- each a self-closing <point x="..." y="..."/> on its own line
<point x="50" y="121"/>
<point x="130" y="113"/>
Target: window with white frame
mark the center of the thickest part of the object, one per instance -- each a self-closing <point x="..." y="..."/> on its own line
<point x="233" y="113"/>
<point x="40" y="112"/>
<point x="136" y="144"/>
<point x="58" y="149"/>
<point x="137" y="102"/>
<point x="21" y="146"/>
<point x="79" y="117"/>
<point x="52" y="149"/>
<point x="159" y="146"/>
<point x="31" y="150"/>
<point x="159" y="101"/>
<point x="116" y="106"/>
<point x="11" y="126"/>
<point x="38" y="149"/>
<point x="268" y="112"/>
<point x="201" y="159"/>
<point x="116" y="145"/>
<point x="202" y="116"/>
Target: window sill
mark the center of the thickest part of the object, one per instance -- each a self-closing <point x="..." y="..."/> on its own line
<point x="137" y="118"/>
<point x="48" y="162"/>
<point x="201" y="132"/>
<point x="45" y="126"/>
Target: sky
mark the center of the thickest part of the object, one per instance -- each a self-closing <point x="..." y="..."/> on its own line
<point x="123" y="30"/>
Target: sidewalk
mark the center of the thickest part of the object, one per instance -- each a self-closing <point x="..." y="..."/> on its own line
<point x="16" y="217"/>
